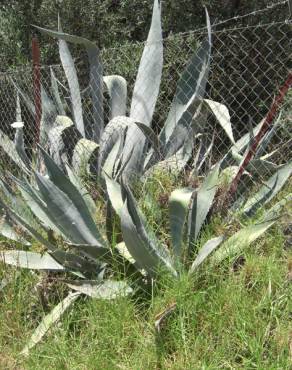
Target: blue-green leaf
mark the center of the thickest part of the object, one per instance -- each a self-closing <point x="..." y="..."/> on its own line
<point x="202" y="203"/>
<point x="179" y="203"/>
<point x="268" y="190"/>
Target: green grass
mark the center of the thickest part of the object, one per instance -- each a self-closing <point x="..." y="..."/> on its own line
<point x="225" y="319"/>
<point x="228" y="317"/>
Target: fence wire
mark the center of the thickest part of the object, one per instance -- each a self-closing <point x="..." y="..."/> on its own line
<point x="248" y="66"/>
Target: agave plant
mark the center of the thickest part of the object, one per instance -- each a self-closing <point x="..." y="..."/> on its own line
<point x="58" y="206"/>
<point x="50" y="210"/>
<point x="139" y="148"/>
<point x="188" y="210"/>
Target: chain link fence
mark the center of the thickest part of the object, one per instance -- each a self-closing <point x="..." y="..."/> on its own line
<point x="248" y="66"/>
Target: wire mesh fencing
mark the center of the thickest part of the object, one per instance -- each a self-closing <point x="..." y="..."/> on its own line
<point x="84" y="118"/>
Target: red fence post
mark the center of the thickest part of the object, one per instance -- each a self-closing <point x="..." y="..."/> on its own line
<point x="37" y="86"/>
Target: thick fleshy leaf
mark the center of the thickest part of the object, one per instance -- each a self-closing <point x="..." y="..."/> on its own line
<point x="179" y="204"/>
<point x="48" y="321"/>
<point x="242" y="239"/>
<point x="112" y="159"/>
<point x="96" y="77"/>
<point x="93" y="252"/>
<point x="77" y="263"/>
<point x="145" y="93"/>
<point x="9" y="148"/>
<point x="19" y="143"/>
<point x="27" y="100"/>
<point x="204" y="153"/>
<point x="122" y="248"/>
<point x="108" y="289"/>
<point x="202" y="203"/>
<point x="18" y="109"/>
<point x="190" y="89"/>
<point x="77" y="182"/>
<point x="18" y="204"/>
<point x="149" y="74"/>
<point x="37" y="206"/>
<point x="244" y="141"/>
<point x="263" y="145"/>
<point x="205" y="251"/>
<point x="85" y="152"/>
<point x="64" y="185"/>
<point x="56" y="93"/>
<point x="78" y="228"/>
<point x="260" y="167"/>
<point x="49" y="114"/>
<point x="7" y="230"/>
<point x="117" y="89"/>
<point x="56" y="135"/>
<point x="71" y="75"/>
<point x="114" y="131"/>
<point x="30" y="260"/>
<point x="222" y="115"/>
<point x="27" y="227"/>
<point x="145" y="249"/>
<point x="18" y="138"/>
<point x="150" y="136"/>
<point x="275" y="211"/>
<point x="177" y="161"/>
<point x="268" y="190"/>
<point x="115" y="195"/>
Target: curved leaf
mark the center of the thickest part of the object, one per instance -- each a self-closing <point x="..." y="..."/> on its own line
<point x="205" y="251"/>
<point x="117" y="89"/>
<point x="115" y="195"/>
<point x="48" y="321"/>
<point x="56" y="139"/>
<point x="275" y="211"/>
<point x="96" y="76"/>
<point x="7" y="230"/>
<point x="145" y="93"/>
<point x="149" y="74"/>
<point x="222" y="115"/>
<point x="9" y="148"/>
<point x="179" y="203"/>
<point x="76" y="181"/>
<point x="113" y="132"/>
<point x="56" y="93"/>
<point x="71" y="75"/>
<point x="85" y="152"/>
<point x="149" y="135"/>
<point x="268" y="190"/>
<point x="237" y="242"/>
<point x="145" y="250"/>
<point x="202" y="203"/>
<point x="77" y="227"/>
<point x="19" y="143"/>
<point x="30" y="260"/>
<point x="190" y="88"/>
<point x="108" y="289"/>
<point x="64" y="185"/>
